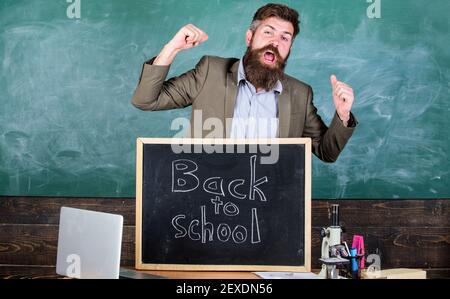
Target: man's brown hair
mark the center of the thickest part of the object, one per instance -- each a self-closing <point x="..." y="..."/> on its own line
<point x="276" y="10"/>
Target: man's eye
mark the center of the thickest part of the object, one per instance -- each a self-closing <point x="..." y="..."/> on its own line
<point x="285" y="38"/>
<point x="267" y="32"/>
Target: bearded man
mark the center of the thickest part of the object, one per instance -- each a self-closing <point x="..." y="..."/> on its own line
<point x="252" y="97"/>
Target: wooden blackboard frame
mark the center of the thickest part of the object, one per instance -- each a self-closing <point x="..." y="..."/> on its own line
<point x="199" y="267"/>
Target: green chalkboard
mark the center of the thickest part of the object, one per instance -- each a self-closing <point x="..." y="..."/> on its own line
<point x="67" y="127"/>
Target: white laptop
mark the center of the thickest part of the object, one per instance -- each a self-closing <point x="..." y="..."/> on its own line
<point x="89" y="244"/>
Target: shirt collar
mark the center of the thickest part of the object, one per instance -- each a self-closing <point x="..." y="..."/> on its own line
<point x="241" y="76"/>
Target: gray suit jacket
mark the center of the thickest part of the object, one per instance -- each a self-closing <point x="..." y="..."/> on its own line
<point x="212" y="88"/>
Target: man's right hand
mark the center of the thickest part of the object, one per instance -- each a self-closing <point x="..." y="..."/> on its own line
<point x="187" y="37"/>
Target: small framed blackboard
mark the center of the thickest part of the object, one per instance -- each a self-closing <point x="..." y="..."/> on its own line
<point x="223" y="204"/>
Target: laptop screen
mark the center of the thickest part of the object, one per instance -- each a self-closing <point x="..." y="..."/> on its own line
<point x="89" y="244"/>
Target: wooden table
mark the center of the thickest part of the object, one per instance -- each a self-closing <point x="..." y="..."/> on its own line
<point x="49" y="272"/>
<point x="204" y="274"/>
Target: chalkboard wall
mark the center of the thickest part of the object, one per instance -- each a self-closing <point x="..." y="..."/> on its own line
<point x="68" y="129"/>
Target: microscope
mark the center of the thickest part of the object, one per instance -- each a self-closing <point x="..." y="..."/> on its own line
<point x="331" y="237"/>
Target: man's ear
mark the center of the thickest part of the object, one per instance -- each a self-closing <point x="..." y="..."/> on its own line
<point x="248" y="37"/>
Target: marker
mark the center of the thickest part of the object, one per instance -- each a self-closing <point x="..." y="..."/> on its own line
<point x="354" y="263"/>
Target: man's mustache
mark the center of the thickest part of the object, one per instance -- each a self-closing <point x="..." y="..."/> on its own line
<point x="271" y="48"/>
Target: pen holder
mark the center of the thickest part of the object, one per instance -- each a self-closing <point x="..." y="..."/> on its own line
<point x="352" y="269"/>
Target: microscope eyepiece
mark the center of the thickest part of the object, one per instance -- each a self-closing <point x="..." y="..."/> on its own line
<point x="335" y="215"/>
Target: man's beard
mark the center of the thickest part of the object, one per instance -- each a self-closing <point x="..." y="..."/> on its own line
<point x="262" y="75"/>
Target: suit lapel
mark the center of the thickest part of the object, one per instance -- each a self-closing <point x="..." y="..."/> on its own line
<point x="284" y="111"/>
<point x="230" y="96"/>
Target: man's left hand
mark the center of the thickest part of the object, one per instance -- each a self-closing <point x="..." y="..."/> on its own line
<point x="343" y="99"/>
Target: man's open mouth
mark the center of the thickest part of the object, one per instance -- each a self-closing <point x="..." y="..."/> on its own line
<point x="269" y="57"/>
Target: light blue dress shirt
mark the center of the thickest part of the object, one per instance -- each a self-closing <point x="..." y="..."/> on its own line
<point x="255" y="113"/>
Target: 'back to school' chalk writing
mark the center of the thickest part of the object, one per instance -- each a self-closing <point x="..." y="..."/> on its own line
<point x="185" y="179"/>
